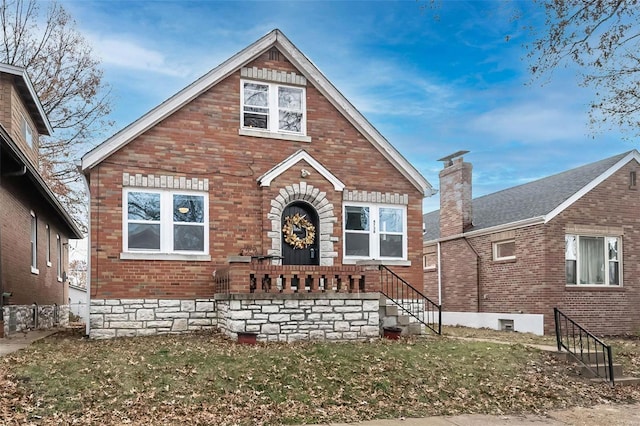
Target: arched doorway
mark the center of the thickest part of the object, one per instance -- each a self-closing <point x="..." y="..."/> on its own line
<point x="302" y="223"/>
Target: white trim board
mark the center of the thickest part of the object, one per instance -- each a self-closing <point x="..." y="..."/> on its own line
<point x="265" y="179"/>
<point x="523" y="323"/>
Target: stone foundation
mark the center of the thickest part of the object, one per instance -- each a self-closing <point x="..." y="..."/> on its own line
<point x="143" y="317"/>
<point x="302" y="316"/>
<point x="18" y="318"/>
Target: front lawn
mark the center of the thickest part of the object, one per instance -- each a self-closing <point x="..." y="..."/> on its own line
<point x="206" y="379"/>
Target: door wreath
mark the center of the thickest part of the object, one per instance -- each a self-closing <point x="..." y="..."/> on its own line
<point x="291" y="223"/>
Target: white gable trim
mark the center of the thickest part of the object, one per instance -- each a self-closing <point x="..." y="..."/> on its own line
<point x="633" y="155"/>
<point x="265" y="179"/>
<point x="304" y="65"/>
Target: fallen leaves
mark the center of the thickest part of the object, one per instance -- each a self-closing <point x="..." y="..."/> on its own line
<point x="206" y="379"/>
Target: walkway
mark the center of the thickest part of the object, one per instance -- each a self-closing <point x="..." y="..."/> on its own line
<point x="20" y="340"/>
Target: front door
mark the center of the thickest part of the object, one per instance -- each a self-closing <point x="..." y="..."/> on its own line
<point x="300" y="235"/>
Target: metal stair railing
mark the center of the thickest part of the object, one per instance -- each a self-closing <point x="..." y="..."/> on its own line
<point x="584" y="346"/>
<point x="410" y="300"/>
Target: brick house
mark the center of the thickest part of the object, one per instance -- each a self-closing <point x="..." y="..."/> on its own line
<point x="257" y="199"/>
<point x="35" y="228"/>
<point x="569" y="241"/>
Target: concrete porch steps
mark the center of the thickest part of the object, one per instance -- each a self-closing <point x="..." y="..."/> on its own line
<point x="391" y="316"/>
<point x="596" y="364"/>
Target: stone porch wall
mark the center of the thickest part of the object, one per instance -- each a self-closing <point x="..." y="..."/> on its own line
<point x="292" y="317"/>
<point x="144" y="317"/>
<point x="18" y="318"/>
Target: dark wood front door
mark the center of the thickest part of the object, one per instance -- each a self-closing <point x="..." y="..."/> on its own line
<point x="304" y="253"/>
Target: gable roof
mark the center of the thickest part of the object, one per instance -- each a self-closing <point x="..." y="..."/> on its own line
<point x="8" y="145"/>
<point x="29" y="97"/>
<point x="286" y="164"/>
<point x="233" y="64"/>
<point x="534" y="202"/>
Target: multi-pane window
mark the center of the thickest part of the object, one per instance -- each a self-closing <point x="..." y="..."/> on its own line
<point x="374" y="232"/>
<point x="166" y="222"/>
<point x="504" y="250"/>
<point x="593" y="260"/>
<point x="273" y="107"/>
<point x="34" y="243"/>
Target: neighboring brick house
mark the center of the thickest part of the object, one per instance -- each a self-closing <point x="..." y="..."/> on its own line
<point x="252" y="200"/>
<point x="568" y="241"/>
<point x="34" y="227"/>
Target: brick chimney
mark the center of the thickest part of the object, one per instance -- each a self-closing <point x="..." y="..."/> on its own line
<point x="455" y="195"/>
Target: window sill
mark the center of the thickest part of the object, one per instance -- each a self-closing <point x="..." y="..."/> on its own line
<point x="35" y="271"/>
<point x="376" y="262"/>
<point x="430" y="269"/>
<point x="593" y="287"/>
<point x="48" y="264"/>
<point x="505" y="260"/>
<point x="165" y="256"/>
<point x="273" y="135"/>
<point x="59" y="279"/>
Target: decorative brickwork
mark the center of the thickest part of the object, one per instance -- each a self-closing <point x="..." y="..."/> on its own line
<point x="273" y="75"/>
<point x="376" y="197"/>
<point x="317" y="199"/>
<point x="165" y="182"/>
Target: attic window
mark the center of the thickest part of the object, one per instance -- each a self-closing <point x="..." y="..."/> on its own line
<point x="27" y="132"/>
<point x="273" y="107"/>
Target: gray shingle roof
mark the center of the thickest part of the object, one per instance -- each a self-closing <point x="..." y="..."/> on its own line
<point x="526" y="201"/>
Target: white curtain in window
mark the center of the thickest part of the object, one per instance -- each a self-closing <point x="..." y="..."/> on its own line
<point x="592" y="260"/>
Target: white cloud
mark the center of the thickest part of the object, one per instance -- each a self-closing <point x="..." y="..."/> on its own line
<point x="130" y="54"/>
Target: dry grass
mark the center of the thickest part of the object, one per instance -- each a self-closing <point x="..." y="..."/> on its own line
<point x="206" y="379"/>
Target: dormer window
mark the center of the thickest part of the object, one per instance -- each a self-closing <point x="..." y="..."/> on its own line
<point x="273" y="108"/>
<point x="27" y="132"/>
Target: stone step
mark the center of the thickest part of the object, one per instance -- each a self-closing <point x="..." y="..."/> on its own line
<point x="403" y="320"/>
<point x="589" y="357"/>
<point x="414" y="329"/>
<point x="586" y="371"/>
<point x="619" y="381"/>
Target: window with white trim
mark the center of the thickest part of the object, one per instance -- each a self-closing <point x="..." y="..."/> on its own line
<point x="375" y="231"/>
<point x="504" y="250"/>
<point x="166" y="222"/>
<point x="273" y="107"/>
<point x="48" y="247"/>
<point x="34" y="243"/>
<point x="593" y="260"/>
<point x="27" y="132"/>
<point x="58" y="257"/>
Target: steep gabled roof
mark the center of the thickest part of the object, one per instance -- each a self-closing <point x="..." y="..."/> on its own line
<point x="29" y="97"/>
<point x="540" y="200"/>
<point x="8" y="145"/>
<point x="233" y="64"/>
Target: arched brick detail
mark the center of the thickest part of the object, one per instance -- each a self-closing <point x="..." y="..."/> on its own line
<point x="317" y="199"/>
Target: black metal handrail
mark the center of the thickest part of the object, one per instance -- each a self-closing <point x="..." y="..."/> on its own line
<point x="410" y="300"/>
<point x="584" y="346"/>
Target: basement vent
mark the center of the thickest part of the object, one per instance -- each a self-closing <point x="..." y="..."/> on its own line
<point x="505" y="324"/>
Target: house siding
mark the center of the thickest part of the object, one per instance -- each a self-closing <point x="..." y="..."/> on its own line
<point x="534" y="283"/>
<point x="201" y="140"/>
<point x="11" y="113"/>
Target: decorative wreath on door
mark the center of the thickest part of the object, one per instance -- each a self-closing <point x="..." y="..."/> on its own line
<point x="289" y="228"/>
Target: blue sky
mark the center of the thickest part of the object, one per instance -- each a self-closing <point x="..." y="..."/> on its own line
<point x="431" y="85"/>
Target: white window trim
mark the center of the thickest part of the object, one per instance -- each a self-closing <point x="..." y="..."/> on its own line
<point x="48" y="237"/>
<point x="496" y="244"/>
<point x="166" y="251"/>
<point x="272" y="130"/>
<point x="33" y="242"/>
<point x="606" y="262"/>
<point x="27" y="132"/>
<point x="58" y="258"/>
<point x="374" y="242"/>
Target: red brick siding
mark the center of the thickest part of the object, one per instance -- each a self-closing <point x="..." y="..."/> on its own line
<point x="17" y="198"/>
<point x="201" y="140"/>
<point x="535" y="282"/>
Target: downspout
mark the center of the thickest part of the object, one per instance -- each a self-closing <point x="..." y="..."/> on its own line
<point x="477" y="273"/>
<point x="439" y="276"/>
<point x="88" y="278"/>
<point x="1" y="279"/>
<point x="18" y="173"/>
